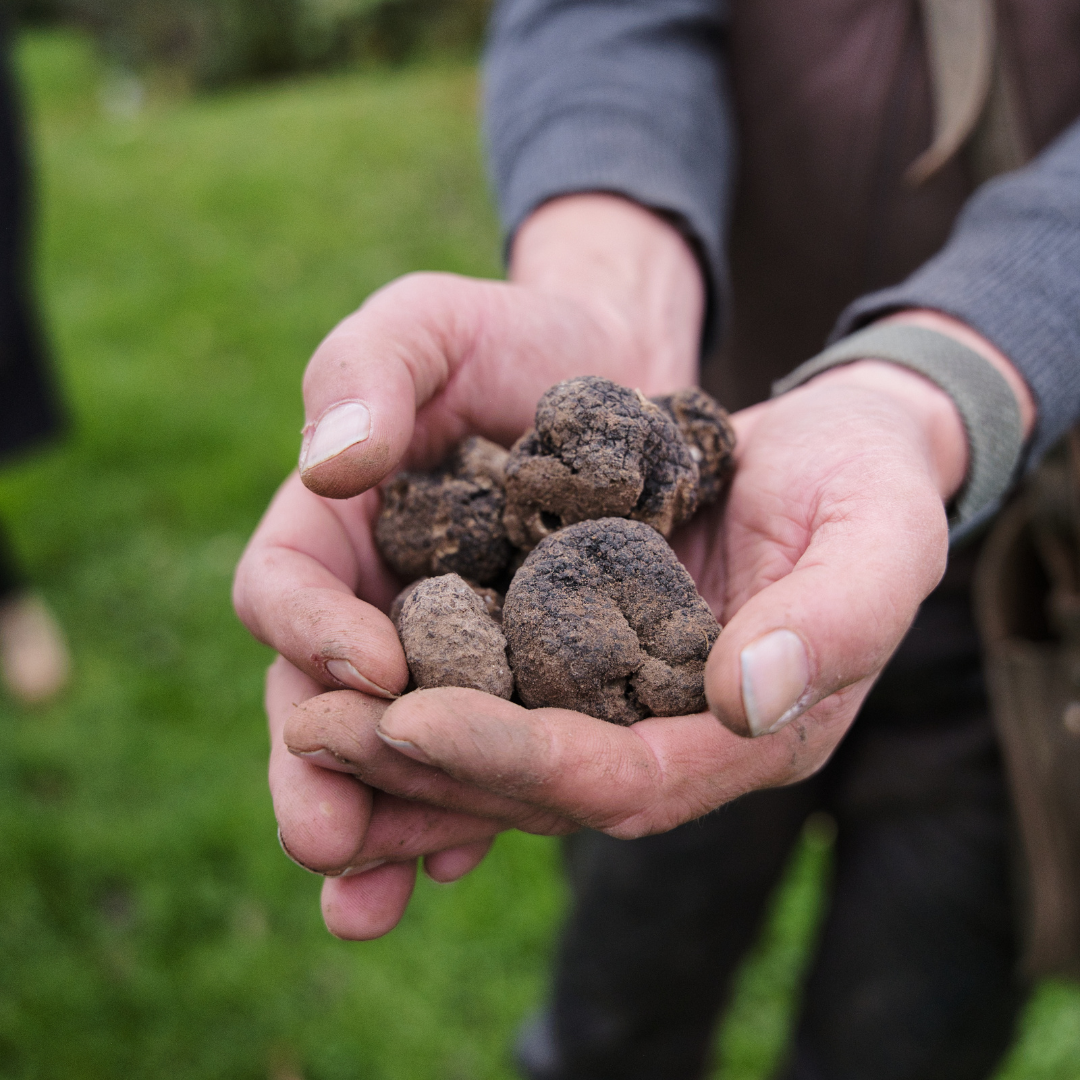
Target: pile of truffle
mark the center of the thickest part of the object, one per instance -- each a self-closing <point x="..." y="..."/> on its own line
<point x="598" y="614"/>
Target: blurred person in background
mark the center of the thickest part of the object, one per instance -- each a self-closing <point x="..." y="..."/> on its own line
<point x="671" y="172"/>
<point x="34" y="662"/>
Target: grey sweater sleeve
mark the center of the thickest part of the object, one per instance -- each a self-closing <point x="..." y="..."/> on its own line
<point x="1011" y="270"/>
<point x="622" y="96"/>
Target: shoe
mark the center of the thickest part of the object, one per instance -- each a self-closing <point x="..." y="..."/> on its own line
<point x="34" y="661"/>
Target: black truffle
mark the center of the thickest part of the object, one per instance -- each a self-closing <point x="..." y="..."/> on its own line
<point x="603" y="618"/>
<point x="448" y="520"/>
<point x="707" y="431"/>
<point x="492" y="598"/>
<point x="598" y="450"/>
<point x="450" y="637"/>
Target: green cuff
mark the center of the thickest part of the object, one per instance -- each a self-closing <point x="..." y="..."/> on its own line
<point x="983" y="398"/>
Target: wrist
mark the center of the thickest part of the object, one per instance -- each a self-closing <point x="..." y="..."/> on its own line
<point x="631" y="270"/>
<point x="991" y="398"/>
<point x="932" y="413"/>
<point x="961" y="332"/>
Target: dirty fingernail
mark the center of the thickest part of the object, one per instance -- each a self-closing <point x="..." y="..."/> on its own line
<point x="290" y="856"/>
<point x="775" y="677"/>
<point x="348" y="676"/>
<point x="405" y="747"/>
<point x="360" y="868"/>
<point x="325" y="759"/>
<point x="339" y="428"/>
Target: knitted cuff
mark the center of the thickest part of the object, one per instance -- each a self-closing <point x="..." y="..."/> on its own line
<point x="983" y="398"/>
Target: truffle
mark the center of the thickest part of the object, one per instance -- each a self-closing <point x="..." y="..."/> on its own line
<point x="598" y="450"/>
<point x="448" y="520"/>
<point x="707" y="431"/>
<point x="492" y="598"/>
<point x="603" y="618"/>
<point x="451" y="639"/>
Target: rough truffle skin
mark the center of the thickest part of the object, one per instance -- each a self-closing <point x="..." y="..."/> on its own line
<point x="448" y="520"/>
<point x="598" y="450"/>
<point x="492" y="598"/>
<point x="603" y="618"/>
<point x="707" y="431"/>
<point x="450" y="639"/>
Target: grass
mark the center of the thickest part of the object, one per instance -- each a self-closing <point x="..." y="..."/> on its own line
<point x="192" y="254"/>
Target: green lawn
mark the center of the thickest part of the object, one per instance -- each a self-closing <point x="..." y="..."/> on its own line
<point x="192" y="255"/>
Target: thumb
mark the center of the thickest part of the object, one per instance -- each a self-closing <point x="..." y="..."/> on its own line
<point x="368" y="378"/>
<point x="426" y="361"/>
<point x="829" y="626"/>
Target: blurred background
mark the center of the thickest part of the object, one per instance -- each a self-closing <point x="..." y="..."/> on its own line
<point x="220" y="181"/>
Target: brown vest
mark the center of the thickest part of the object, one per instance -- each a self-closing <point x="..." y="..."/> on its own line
<point x="834" y="103"/>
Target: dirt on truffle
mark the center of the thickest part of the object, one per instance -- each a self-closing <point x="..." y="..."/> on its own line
<point x="448" y="520"/>
<point x="603" y="618"/>
<point x="707" y="431"/>
<point x="492" y="598"/>
<point x="450" y="637"/>
<point x="598" y="450"/>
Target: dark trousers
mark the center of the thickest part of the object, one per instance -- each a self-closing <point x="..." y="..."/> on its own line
<point x="30" y="411"/>
<point x="914" y="974"/>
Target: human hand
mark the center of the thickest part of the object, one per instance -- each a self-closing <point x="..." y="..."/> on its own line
<point x="425" y="362"/>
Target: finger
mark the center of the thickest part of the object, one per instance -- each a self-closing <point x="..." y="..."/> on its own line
<point x="447" y="866"/>
<point x="339" y="730"/>
<point x="332" y="824"/>
<point x="322" y="816"/>
<point x="427" y="360"/>
<point x="836" y="618"/>
<point x="366" y="906"/>
<point x="294" y="590"/>
<point x="366" y="381"/>
<point x="626" y="781"/>
<point x="401" y="829"/>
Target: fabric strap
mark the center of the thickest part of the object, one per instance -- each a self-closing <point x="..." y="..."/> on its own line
<point x="986" y="404"/>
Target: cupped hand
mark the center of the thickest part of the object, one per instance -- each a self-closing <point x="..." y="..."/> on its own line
<point x="425" y="362"/>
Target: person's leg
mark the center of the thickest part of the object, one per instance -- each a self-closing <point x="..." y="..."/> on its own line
<point x="915" y="977"/>
<point x="34" y="660"/>
<point x="656" y="931"/>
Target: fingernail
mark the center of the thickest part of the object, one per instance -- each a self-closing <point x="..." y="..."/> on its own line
<point x="405" y="747"/>
<point x="290" y="856"/>
<point x="325" y="759"/>
<point x="360" y="868"/>
<point x="348" y="676"/>
<point x="339" y="428"/>
<point x="775" y="677"/>
<point x="349" y="871"/>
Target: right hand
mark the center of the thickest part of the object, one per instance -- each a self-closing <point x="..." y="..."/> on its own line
<point x="427" y="361"/>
